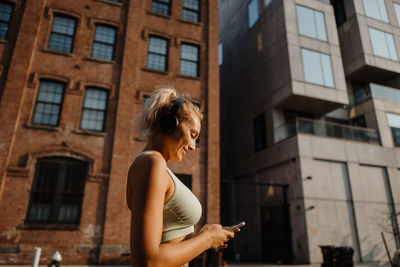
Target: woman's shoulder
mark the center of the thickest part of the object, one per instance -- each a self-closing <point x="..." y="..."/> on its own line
<point x="149" y="160"/>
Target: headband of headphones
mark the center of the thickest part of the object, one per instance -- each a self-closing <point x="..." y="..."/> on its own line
<point x="177" y="104"/>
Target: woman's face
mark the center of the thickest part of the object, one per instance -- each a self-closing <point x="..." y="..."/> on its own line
<point x="184" y="138"/>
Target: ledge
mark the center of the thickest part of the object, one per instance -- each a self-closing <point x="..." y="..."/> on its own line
<point x="18" y="172"/>
<point x="158" y="14"/>
<point x="89" y="132"/>
<point x="110" y="3"/>
<point x="51" y="227"/>
<point x="56" y="52"/>
<point x="199" y="24"/>
<point x="163" y="72"/>
<point x="42" y="127"/>
<point x="197" y="78"/>
<point x="99" y="60"/>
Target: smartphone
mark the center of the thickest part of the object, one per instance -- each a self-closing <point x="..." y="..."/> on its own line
<point x="233" y="227"/>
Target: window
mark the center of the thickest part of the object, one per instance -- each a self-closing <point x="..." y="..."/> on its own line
<point x="189" y="60"/>
<point x="317" y="68"/>
<point x="161" y="7"/>
<point x="397" y="10"/>
<point x="158" y="53"/>
<point x="94" y="109"/>
<point x="376" y="9"/>
<point x="57" y="191"/>
<point x="394" y="124"/>
<point x="383" y="44"/>
<point x="252" y="11"/>
<point x="49" y="103"/>
<point x="103" y="43"/>
<point x="186" y="179"/>
<point x="220" y="54"/>
<point x="62" y="33"/>
<point x="260" y="135"/>
<point x="191" y="10"/>
<point x="5" y="18"/>
<point x="311" y="23"/>
<point x="340" y="12"/>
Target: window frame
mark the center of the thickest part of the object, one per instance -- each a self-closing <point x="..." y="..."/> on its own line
<point x="315" y="24"/>
<point x="250" y="21"/>
<point x="39" y="101"/>
<point x="62" y="15"/>
<point x="198" y="12"/>
<point x="88" y="88"/>
<point x="260" y="133"/>
<point x="158" y="54"/>
<point x="160" y="2"/>
<point x="11" y="5"/>
<point x="396" y="141"/>
<point x="324" y="84"/>
<point x="103" y="43"/>
<point x="61" y="163"/>
<point x="188" y="60"/>
<point x="380" y="11"/>
<point x="386" y="34"/>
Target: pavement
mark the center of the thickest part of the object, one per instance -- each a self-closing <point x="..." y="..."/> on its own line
<point x="228" y="265"/>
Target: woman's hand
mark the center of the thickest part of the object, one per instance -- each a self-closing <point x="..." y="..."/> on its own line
<point x="217" y="235"/>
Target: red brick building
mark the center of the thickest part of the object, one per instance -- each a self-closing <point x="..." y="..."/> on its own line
<point x="73" y="76"/>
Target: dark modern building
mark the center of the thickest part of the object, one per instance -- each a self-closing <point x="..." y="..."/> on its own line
<point x="310" y="127"/>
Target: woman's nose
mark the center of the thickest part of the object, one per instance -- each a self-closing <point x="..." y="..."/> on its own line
<point x="192" y="145"/>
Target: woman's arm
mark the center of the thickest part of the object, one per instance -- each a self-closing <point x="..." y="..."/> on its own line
<point x="149" y="187"/>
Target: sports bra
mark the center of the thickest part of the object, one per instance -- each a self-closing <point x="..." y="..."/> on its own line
<point x="181" y="212"/>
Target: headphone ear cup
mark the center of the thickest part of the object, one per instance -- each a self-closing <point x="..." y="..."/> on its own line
<point x="169" y="123"/>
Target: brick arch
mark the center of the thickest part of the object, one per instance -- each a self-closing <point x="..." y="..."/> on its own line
<point x="65" y="153"/>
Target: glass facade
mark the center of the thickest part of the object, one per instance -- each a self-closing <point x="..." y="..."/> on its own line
<point x="189" y="60"/>
<point x="311" y="23"/>
<point x="5" y="18"/>
<point x="252" y="11"/>
<point x="94" y="109"/>
<point x="158" y="53"/>
<point x="62" y="33"/>
<point x="376" y="9"/>
<point x="383" y="44"/>
<point x="103" y="43"/>
<point x="397" y="10"/>
<point x="49" y="103"/>
<point x="317" y="68"/>
<point x="191" y="10"/>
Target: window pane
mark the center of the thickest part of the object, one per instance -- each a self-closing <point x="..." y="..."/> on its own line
<point x="55" y="197"/>
<point x="327" y="70"/>
<point x="317" y="68"/>
<point x="48" y="103"/>
<point x="94" y="110"/>
<point x="157" y="55"/>
<point x="383" y="44"/>
<point x="397" y="9"/>
<point x="220" y="54"/>
<point x="260" y="135"/>
<point x="189" y="60"/>
<point x="252" y="9"/>
<point x="5" y="17"/>
<point x="105" y="34"/>
<point x="394" y="120"/>
<point x="190" y="15"/>
<point x="191" y="10"/>
<point x="62" y="34"/>
<point x="311" y="23"/>
<point x="375" y="9"/>
<point x="161" y="7"/>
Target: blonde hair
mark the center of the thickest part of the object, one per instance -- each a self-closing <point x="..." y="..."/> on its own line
<point x="159" y="104"/>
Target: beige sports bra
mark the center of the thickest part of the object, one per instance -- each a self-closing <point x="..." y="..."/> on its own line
<point x="181" y="212"/>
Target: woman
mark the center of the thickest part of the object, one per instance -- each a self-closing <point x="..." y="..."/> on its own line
<point x="163" y="210"/>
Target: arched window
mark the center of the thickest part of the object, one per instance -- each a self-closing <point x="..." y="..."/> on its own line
<point x="57" y="191"/>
